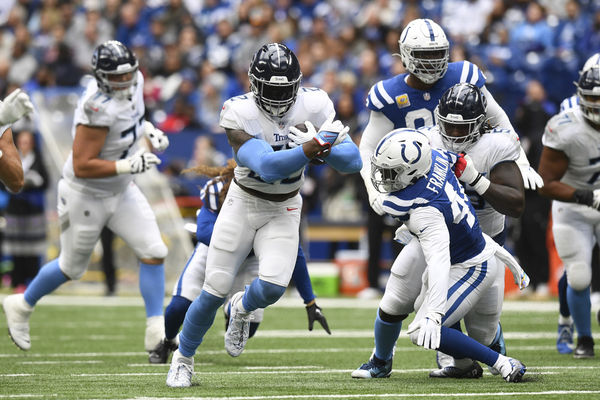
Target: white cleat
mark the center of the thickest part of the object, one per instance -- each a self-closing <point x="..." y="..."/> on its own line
<point x="17" y="318"/>
<point x="239" y="327"/>
<point x="155" y="332"/>
<point x="181" y="371"/>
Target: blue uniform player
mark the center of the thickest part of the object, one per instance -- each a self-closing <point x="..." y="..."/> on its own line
<point x="420" y="189"/>
<point x="409" y="100"/>
<point x="189" y="284"/>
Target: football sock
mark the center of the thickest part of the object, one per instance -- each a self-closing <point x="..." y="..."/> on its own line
<point x="580" y="306"/>
<point x="562" y="296"/>
<point x="386" y="334"/>
<point x="260" y="294"/>
<point x="198" y="319"/>
<point x="46" y="281"/>
<point x="459" y="345"/>
<point x="301" y="278"/>
<point x="174" y="315"/>
<point x="152" y="288"/>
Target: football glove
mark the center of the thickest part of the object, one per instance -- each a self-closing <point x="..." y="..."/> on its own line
<point x="531" y="179"/>
<point x="430" y="331"/>
<point x="465" y="172"/>
<point x="157" y="138"/>
<point x="315" y="314"/>
<point x="332" y="132"/>
<point x="137" y="163"/>
<point x="298" y="137"/>
<point x="14" y="106"/>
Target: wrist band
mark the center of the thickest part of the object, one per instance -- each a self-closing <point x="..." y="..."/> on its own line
<point x="480" y="184"/>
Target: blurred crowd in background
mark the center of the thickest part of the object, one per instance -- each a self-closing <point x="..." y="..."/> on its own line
<point x="195" y="54"/>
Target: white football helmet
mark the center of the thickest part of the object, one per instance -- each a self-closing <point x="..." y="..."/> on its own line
<point x="401" y="157"/>
<point x="424" y="50"/>
<point x="590" y="62"/>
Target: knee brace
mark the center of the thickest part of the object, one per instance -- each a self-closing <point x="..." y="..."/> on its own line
<point x="579" y="275"/>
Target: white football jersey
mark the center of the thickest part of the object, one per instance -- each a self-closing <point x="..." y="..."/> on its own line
<point x="124" y="119"/>
<point x="242" y="113"/>
<point x="569" y="132"/>
<point x="493" y="147"/>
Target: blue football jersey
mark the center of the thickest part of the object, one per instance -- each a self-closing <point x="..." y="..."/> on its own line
<point x="412" y="108"/>
<point x="441" y="189"/>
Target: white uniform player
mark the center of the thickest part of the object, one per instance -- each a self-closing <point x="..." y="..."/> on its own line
<point x="263" y="204"/>
<point x="97" y="190"/>
<point x="570" y="166"/>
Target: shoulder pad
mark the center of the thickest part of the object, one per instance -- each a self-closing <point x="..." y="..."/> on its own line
<point x="314" y="99"/>
<point x="238" y="109"/>
<point x="379" y="95"/>
<point x="568" y="103"/>
<point x="469" y="72"/>
<point x="97" y="109"/>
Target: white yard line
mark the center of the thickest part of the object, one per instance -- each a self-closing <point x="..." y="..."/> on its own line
<point x="286" y="302"/>
<point x="381" y="395"/>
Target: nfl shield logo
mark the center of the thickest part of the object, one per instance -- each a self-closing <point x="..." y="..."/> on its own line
<point x="426" y="96"/>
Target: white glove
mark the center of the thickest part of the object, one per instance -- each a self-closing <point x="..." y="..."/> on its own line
<point x="14" y="106"/>
<point x="298" y="138"/>
<point x="531" y="179"/>
<point x="377" y="204"/>
<point x="137" y="163"/>
<point x="334" y="126"/>
<point x="430" y="331"/>
<point x="403" y="235"/>
<point x="158" y="139"/>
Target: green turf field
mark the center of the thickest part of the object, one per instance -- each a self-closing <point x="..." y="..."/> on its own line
<point x="96" y="352"/>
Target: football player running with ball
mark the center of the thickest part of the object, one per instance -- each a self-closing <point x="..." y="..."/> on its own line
<point x="97" y="190"/>
<point x="262" y="208"/>
<point x="189" y="284"/>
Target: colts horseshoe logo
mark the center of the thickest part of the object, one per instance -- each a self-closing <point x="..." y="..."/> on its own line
<point x="417" y="158"/>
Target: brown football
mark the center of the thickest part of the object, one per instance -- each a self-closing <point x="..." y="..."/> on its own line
<point x="302" y="127"/>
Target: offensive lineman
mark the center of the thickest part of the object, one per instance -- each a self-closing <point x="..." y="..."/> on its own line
<point x="262" y="207"/>
<point x="97" y="189"/>
<point x="422" y="191"/>
<point x="570" y="167"/>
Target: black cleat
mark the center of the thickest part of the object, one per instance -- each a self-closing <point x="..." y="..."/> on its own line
<point x="585" y="347"/>
<point x="161" y="353"/>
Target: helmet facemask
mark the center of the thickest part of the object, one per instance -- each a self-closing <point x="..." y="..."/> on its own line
<point x="458" y="134"/>
<point x="424" y="50"/>
<point x="429" y="65"/>
<point x="276" y="96"/>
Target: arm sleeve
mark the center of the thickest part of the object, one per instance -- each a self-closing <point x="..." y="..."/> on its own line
<point x="495" y="113"/>
<point x="302" y="279"/>
<point x="379" y="125"/>
<point x="271" y="165"/>
<point x="428" y="224"/>
<point x="345" y="157"/>
<point x="205" y="223"/>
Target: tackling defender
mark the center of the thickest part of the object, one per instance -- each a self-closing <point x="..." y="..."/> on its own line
<point x="262" y="208"/>
<point x="409" y="100"/>
<point x="97" y="190"/>
<point x="422" y="191"/>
